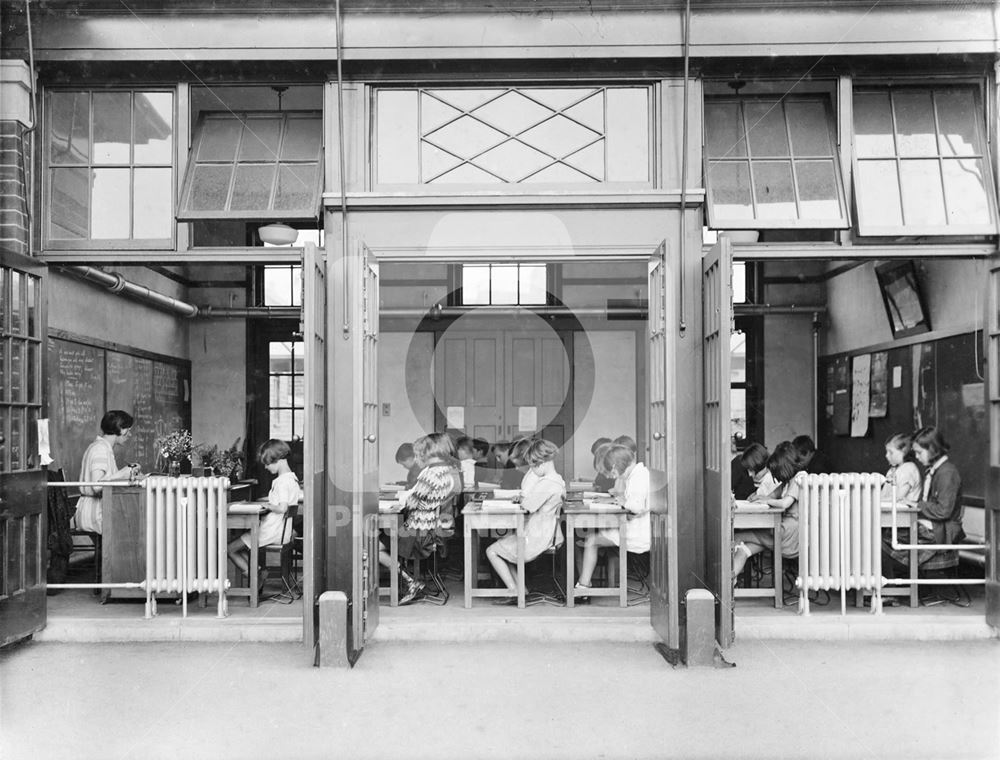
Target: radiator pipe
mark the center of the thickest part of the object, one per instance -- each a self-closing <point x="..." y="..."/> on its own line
<point x="118" y="284"/>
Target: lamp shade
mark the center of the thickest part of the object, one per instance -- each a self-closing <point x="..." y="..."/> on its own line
<point x="278" y="234"/>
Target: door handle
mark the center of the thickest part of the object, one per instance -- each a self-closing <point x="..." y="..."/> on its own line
<point x="657" y="436"/>
<point x="370" y="438"/>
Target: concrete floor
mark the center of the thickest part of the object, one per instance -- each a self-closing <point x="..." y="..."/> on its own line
<point x="500" y="700"/>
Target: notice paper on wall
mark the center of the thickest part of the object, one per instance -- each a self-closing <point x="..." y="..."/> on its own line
<point x="456" y="417"/>
<point x="861" y="368"/>
<point x="44" y="452"/>
<point x="527" y="418"/>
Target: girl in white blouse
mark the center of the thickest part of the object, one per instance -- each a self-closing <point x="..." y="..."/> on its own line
<point x="903" y="471"/>
<point x="620" y="462"/>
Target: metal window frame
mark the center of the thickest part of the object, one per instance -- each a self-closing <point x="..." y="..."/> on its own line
<point x="715" y="221"/>
<point x="47" y="171"/>
<point x="186" y="214"/>
<point x="865" y="229"/>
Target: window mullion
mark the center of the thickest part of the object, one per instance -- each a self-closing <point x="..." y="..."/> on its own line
<point x="896" y="156"/>
<point x="791" y="162"/>
<point x="750" y="174"/>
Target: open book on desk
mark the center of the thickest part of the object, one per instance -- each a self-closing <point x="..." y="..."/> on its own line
<point x="602" y="505"/>
<point x="493" y="505"/>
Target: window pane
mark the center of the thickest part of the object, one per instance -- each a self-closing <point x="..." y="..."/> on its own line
<point x="69" y="127"/>
<point x="298" y="393"/>
<point x="277" y="286"/>
<point x="303" y="139"/>
<point x="729" y="186"/>
<point x="154" y="128"/>
<point x="627" y="134"/>
<point x="16" y="371"/>
<point x="923" y="198"/>
<point x="915" y="131"/>
<point x="298" y="363"/>
<point x="34" y="373"/>
<point x="739" y="282"/>
<point x="766" y="129"/>
<point x="737" y="357"/>
<point x="738" y="412"/>
<point x="16" y="303"/>
<point x="296" y="187"/>
<point x="112" y="127"/>
<point x="4" y="375"/>
<point x="965" y="191"/>
<point x="533" y="284"/>
<point x="515" y="161"/>
<point x="152" y="210"/>
<point x="878" y="193"/>
<point x="281" y="390"/>
<point x="298" y="423"/>
<point x="34" y="325"/>
<point x="296" y="286"/>
<point x="724" y="136"/>
<point x="110" y="216"/>
<point x="209" y="187"/>
<point x="818" y="197"/>
<point x="16" y="439"/>
<point x="219" y="138"/>
<point x="70" y="204"/>
<point x="466" y="137"/>
<point x="773" y="189"/>
<point x="281" y="356"/>
<point x="4" y="301"/>
<point x="809" y="125"/>
<point x="475" y="285"/>
<point x="503" y="284"/>
<point x="252" y="189"/>
<point x="260" y="140"/>
<point x="873" y="125"/>
<point x="957" y="117"/>
<point x="281" y="424"/>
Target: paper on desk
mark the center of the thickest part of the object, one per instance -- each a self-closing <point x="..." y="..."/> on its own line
<point x="500" y="504"/>
<point x="601" y="505"/>
<point x="504" y="493"/>
<point x="387" y="505"/>
<point x="391" y="487"/>
<point x="246" y="507"/>
<point x="745" y="503"/>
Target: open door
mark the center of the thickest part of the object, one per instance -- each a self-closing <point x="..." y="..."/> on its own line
<point x="366" y="497"/>
<point x="717" y="325"/>
<point x="992" y="516"/>
<point x="314" y="513"/>
<point x="22" y="477"/>
<point x="663" y="602"/>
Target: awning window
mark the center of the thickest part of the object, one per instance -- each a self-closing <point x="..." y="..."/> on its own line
<point x="254" y="166"/>
<point x="772" y="163"/>
<point x="920" y="162"/>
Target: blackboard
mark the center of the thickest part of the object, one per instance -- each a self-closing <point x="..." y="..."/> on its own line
<point x="86" y="380"/>
<point x="940" y="383"/>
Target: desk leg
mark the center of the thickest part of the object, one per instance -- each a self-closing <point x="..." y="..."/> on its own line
<point x="520" y="561"/>
<point x="469" y="566"/>
<point x="914" y="563"/>
<point x="394" y="558"/>
<point x="254" y="559"/>
<point x="622" y="563"/>
<point x="570" y="558"/>
<point x="779" y="597"/>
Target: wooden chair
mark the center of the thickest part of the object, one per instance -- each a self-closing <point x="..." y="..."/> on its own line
<point x="559" y="598"/>
<point x="287" y="553"/>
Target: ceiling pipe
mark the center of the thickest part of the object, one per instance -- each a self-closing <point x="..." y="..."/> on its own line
<point x="616" y="312"/>
<point x="118" y="284"/>
<point x="250" y="312"/>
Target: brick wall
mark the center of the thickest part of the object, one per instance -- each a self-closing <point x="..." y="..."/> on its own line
<point x="14" y="153"/>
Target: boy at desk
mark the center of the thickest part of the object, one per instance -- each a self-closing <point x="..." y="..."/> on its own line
<point x="284" y="493"/>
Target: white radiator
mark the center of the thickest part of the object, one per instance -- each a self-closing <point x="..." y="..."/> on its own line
<point x="840" y="537"/>
<point x="186" y="538"/>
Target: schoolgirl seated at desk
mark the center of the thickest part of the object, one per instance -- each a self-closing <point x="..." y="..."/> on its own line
<point x="620" y="463"/>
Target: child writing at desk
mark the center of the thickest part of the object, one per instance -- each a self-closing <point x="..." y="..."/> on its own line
<point x="783" y="464"/>
<point x="285" y="492"/>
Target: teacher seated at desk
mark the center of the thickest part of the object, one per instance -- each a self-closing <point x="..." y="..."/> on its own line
<point x="99" y="464"/>
<point x="284" y="493"/>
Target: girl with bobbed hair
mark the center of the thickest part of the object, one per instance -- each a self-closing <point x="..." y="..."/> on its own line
<point x="619" y="462"/>
<point x="99" y="464"/>
<point x="543" y="493"/>
<point x="903" y="471"/>
<point x="515" y="469"/>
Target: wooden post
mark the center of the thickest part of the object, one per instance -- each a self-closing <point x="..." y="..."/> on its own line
<point x="700" y="628"/>
<point x="333" y="630"/>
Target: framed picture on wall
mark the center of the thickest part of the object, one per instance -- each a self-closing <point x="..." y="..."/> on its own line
<point x="903" y="298"/>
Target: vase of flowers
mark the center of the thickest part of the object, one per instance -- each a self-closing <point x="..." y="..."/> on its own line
<point x="228" y="463"/>
<point x="173" y="448"/>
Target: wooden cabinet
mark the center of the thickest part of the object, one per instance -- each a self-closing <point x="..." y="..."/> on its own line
<point x="124" y="540"/>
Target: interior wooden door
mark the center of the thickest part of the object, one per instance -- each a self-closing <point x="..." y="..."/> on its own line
<point x="468" y="376"/>
<point x="663" y="601"/>
<point x="992" y="506"/>
<point x="314" y="509"/>
<point x="22" y="477"/>
<point x="717" y="325"/>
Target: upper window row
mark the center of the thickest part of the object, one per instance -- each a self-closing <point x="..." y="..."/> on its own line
<point x="920" y="163"/>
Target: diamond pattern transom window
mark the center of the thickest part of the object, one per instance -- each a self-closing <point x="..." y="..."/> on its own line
<point x="512" y="135"/>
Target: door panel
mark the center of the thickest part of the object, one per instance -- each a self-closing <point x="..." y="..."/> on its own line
<point x="315" y="434"/>
<point x="23" y="523"/>
<point x="992" y="516"/>
<point x="467" y="375"/>
<point x="717" y="325"/>
<point x="366" y="497"/>
<point x="664" y="611"/>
